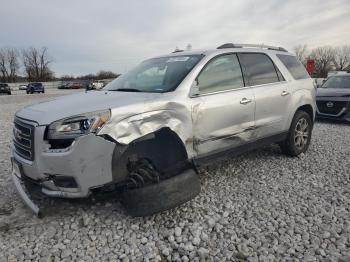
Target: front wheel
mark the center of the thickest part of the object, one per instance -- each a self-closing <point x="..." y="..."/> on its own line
<point x="299" y="135"/>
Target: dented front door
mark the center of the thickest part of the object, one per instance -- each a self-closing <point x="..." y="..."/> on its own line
<point x="223" y="114"/>
<point x="223" y="120"/>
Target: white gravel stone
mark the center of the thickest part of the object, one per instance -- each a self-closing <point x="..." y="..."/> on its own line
<point x="196" y="241"/>
<point x="144" y="240"/>
<point x="177" y="231"/>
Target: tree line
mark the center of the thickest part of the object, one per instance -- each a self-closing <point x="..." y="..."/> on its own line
<point x="326" y="58"/>
<point x="35" y="63"/>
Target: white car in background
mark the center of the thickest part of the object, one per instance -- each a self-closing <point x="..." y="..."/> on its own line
<point x="99" y="84"/>
<point x="22" y="87"/>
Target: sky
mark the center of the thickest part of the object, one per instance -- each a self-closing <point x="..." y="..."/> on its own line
<point x="84" y="36"/>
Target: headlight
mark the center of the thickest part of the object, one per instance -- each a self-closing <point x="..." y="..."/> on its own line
<point x="73" y="127"/>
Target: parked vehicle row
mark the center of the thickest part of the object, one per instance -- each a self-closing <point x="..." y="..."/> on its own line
<point x="30" y="88"/>
<point x="71" y="86"/>
<point x="150" y="129"/>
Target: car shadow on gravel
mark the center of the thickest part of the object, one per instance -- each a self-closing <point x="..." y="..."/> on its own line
<point x="109" y="201"/>
<point x="333" y="122"/>
<point x="53" y="207"/>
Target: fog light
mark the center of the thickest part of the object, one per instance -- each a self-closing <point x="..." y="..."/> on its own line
<point x="65" y="181"/>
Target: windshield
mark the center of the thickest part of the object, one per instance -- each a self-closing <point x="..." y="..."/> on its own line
<point x="337" y="82"/>
<point x="155" y="75"/>
<point x="36" y="84"/>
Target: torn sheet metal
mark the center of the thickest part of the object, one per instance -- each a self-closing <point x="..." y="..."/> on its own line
<point x="176" y="116"/>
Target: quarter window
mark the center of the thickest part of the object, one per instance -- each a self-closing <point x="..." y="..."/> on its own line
<point x="221" y="73"/>
<point x="259" y="67"/>
<point x="296" y="69"/>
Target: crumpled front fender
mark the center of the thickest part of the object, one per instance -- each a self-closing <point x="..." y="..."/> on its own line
<point x="140" y="125"/>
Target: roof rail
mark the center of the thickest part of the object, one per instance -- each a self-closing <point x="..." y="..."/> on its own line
<point x="231" y="45"/>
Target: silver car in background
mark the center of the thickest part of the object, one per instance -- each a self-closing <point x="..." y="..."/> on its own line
<point x="146" y="132"/>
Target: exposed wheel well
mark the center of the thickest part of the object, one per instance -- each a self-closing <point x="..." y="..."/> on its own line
<point x="308" y="109"/>
<point x="163" y="148"/>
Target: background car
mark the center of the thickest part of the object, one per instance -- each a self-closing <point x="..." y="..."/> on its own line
<point x="4" y="88"/>
<point x="22" y="87"/>
<point x="76" y="86"/>
<point x="333" y="98"/>
<point x="71" y="86"/>
<point x="99" y="84"/>
<point x="35" y="88"/>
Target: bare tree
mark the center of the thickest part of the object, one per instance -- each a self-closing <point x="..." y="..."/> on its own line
<point x="13" y="63"/>
<point x="3" y="66"/>
<point x="342" y="57"/>
<point x="105" y="75"/>
<point x="301" y="53"/>
<point x="324" y="56"/>
<point x="9" y="64"/>
<point x="36" y="64"/>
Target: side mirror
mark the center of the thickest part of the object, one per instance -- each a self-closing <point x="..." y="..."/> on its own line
<point x="194" y="91"/>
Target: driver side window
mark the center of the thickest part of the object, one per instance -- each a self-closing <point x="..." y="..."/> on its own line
<point x="221" y="73"/>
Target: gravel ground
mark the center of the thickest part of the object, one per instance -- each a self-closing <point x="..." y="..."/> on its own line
<point x="262" y="206"/>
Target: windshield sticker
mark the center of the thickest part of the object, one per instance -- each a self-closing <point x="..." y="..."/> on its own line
<point x="178" y="59"/>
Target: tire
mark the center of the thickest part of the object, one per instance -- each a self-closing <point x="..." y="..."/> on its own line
<point x="299" y="135"/>
<point x="161" y="196"/>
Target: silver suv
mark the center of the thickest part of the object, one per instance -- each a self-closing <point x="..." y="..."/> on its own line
<point x="145" y="133"/>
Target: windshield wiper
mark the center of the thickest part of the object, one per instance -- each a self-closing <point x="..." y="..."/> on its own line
<point x="126" y="90"/>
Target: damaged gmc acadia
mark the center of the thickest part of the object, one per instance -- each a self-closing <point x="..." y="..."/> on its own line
<point x="145" y="133"/>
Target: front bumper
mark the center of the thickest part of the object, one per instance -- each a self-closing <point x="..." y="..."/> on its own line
<point x="341" y="111"/>
<point x="21" y="189"/>
<point x="88" y="161"/>
<point x="343" y="115"/>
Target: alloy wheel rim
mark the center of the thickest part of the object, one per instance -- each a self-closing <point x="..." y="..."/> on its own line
<point x="301" y="133"/>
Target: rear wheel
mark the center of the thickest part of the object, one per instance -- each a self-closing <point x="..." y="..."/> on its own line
<point x="299" y="135"/>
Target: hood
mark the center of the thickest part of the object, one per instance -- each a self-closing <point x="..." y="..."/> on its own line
<point x="47" y="112"/>
<point x="335" y="92"/>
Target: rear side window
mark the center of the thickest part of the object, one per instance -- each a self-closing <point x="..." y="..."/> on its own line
<point x="296" y="69"/>
<point x="259" y="68"/>
<point x="221" y="73"/>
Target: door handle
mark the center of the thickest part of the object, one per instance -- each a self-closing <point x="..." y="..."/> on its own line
<point x="284" y="93"/>
<point x="245" y="101"/>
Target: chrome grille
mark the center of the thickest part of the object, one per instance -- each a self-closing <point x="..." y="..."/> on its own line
<point x="23" y="139"/>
